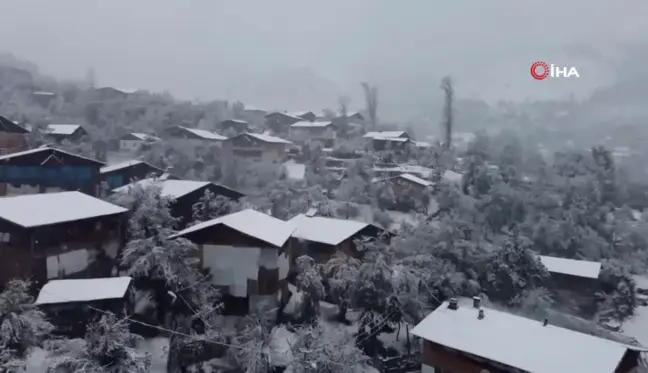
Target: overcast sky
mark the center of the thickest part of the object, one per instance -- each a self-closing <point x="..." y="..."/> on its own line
<point x="292" y="53"/>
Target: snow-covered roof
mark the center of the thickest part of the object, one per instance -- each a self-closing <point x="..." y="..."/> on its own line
<point x="44" y="148"/>
<point x="239" y="121"/>
<point x="252" y="223"/>
<point x="307" y="124"/>
<point x="42" y="93"/>
<point x="119" y="166"/>
<point x="295" y="171"/>
<point x="205" y="134"/>
<point x="170" y="188"/>
<point x="83" y="290"/>
<point x="299" y="113"/>
<point x="35" y="210"/>
<point x="452" y="176"/>
<point x="145" y="136"/>
<point x="62" y="129"/>
<point x="579" y="268"/>
<point x="325" y="230"/>
<point x="415" y="179"/>
<point x="253" y="108"/>
<point x="268" y="138"/>
<point x="406" y="169"/>
<point x="519" y="342"/>
<point x="385" y="135"/>
<point x="422" y="144"/>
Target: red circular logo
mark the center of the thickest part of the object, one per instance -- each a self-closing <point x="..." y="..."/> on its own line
<point x="543" y="70"/>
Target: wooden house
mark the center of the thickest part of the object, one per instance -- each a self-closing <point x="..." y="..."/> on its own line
<point x="236" y="125"/>
<point x="573" y="282"/>
<point x="409" y="184"/>
<point x="60" y="132"/>
<point x="120" y="174"/>
<point x="184" y="193"/>
<point x="247" y="256"/>
<point x="46" y="170"/>
<point x="133" y="141"/>
<point x="72" y="304"/>
<point x="321" y="237"/>
<point x="257" y="146"/>
<point x="193" y="136"/>
<point x="386" y="140"/>
<point x="280" y="122"/>
<point x="468" y="338"/>
<point x="57" y="235"/>
<point x="43" y="98"/>
<point x="305" y="131"/>
<point x="12" y="137"/>
<point x="307" y="115"/>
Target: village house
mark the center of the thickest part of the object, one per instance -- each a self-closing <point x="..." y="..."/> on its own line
<point x="387" y="170"/>
<point x="468" y="338"/>
<point x="43" y="98"/>
<point x="133" y="141"/>
<point x="70" y="305"/>
<point x="194" y="137"/>
<point x="254" y="114"/>
<point x="280" y="122"/>
<point x="257" y="146"/>
<point x="12" y="137"/>
<point x="119" y="174"/>
<point x="111" y="93"/>
<point x="304" y="115"/>
<point x="573" y="282"/>
<point x="236" y="125"/>
<point x="184" y="193"/>
<point x="247" y="255"/>
<point x="305" y="131"/>
<point x="47" y="170"/>
<point x="58" y="235"/>
<point x="321" y="237"/>
<point x="384" y="140"/>
<point x="60" y="132"/>
<point x="409" y="184"/>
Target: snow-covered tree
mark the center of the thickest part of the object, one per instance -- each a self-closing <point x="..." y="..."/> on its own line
<point x="310" y="282"/>
<point x="108" y="347"/>
<point x="340" y="274"/>
<point x="22" y="325"/>
<point x="211" y="206"/>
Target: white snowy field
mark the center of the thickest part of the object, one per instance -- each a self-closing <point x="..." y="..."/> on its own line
<point x="637" y="327"/>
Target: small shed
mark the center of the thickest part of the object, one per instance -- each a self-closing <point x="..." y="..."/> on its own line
<point x="72" y="304"/>
<point x="60" y="132"/>
<point x="122" y="173"/>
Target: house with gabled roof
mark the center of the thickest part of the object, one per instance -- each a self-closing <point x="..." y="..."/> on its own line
<point x="306" y="115"/>
<point x="279" y="122"/>
<point x="469" y="338"/>
<point x="305" y="131"/>
<point x="247" y="256"/>
<point x="384" y="140"/>
<point x="43" y="98"/>
<point x="46" y="169"/>
<point x="12" y="137"/>
<point x="257" y="146"/>
<point x="134" y="140"/>
<point x="119" y="174"/>
<point x="194" y="136"/>
<point x="184" y="193"/>
<point x="70" y="305"/>
<point x="236" y="125"/>
<point x="60" y="132"/>
<point x="59" y="235"/>
<point x="321" y="237"/>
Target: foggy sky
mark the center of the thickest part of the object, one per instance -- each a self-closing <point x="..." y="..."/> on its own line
<point x="294" y="53"/>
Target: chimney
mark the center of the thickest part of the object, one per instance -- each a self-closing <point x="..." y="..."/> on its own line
<point x="481" y="314"/>
<point x="476" y="302"/>
<point x="453" y="305"/>
<point x="546" y="321"/>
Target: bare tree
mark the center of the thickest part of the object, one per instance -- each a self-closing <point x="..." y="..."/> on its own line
<point x="371" y="101"/>
<point x="448" y="117"/>
<point x="343" y="105"/>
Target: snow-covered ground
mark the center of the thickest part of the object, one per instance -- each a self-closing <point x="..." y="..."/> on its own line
<point x="158" y="348"/>
<point x="637" y="327"/>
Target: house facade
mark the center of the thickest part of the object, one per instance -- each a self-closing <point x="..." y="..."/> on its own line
<point x="388" y="140"/>
<point x="409" y="184"/>
<point x="305" y="131"/>
<point x="47" y="170"/>
<point x="59" y="235"/>
<point x="257" y="147"/>
<point x="247" y="255"/>
<point x="133" y="141"/>
<point x="193" y="137"/>
<point x="468" y="338"/>
<point x="120" y="174"/>
<point x="307" y="115"/>
<point x="236" y="125"/>
<point x="573" y="283"/>
<point x="280" y="122"/>
<point x="12" y="137"/>
<point x="60" y="132"/>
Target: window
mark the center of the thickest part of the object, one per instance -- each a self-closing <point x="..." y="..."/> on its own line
<point x="5" y="237"/>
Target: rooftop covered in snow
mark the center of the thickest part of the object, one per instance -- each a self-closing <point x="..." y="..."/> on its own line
<point x="204" y="134"/>
<point x="174" y="188"/>
<point x="49" y="151"/>
<point x="145" y="136"/>
<point x="37" y="210"/>
<point x="411" y="178"/>
<point x="252" y="223"/>
<point x="519" y="342"/>
<point x="265" y="137"/>
<point x="307" y="124"/>
<point x="122" y="165"/>
<point x="83" y="290"/>
<point x="387" y="135"/>
<point x="572" y="267"/>
<point x="62" y="129"/>
<point x="325" y="230"/>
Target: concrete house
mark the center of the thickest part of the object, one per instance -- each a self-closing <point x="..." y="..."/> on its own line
<point x="257" y="146"/>
<point x="60" y="132"/>
<point x="185" y="193"/>
<point x="58" y="235"/>
<point x="305" y="131"/>
<point x="247" y="255"/>
<point x="468" y="338"/>
<point x="12" y="137"/>
<point x="47" y="170"/>
<point x="120" y="174"/>
<point x="133" y="141"/>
